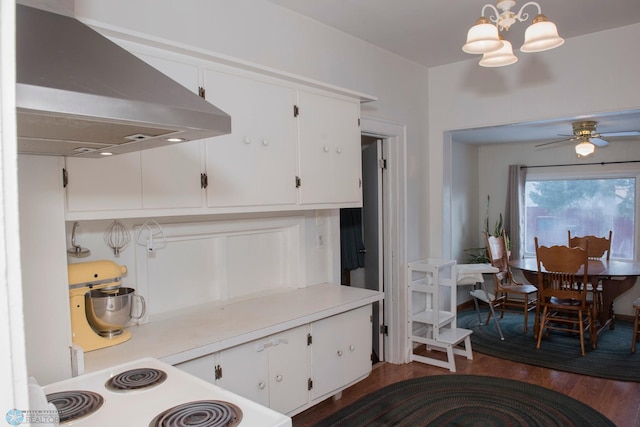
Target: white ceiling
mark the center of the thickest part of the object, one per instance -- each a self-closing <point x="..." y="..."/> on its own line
<point x="432" y="32"/>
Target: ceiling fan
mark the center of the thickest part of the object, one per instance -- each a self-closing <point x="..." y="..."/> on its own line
<point x="585" y="132"/>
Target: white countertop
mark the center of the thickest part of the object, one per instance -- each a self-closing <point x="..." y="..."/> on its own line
<point x="208" y="328"/>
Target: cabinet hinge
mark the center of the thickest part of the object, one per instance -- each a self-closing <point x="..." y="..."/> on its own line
<point x="298" y="182"/>
<point x="384" y="329"/>
<point x="218" y="372"/>
<point x="359" y="182"/>
<point x="358" y="121"/>
<point x="201" y="92"/>
<point x="204" y="180"/>
<point x="65" y="178"/>
<point x="309" y="339"/>
<point x="296" y="111"/>
<point x="309" y="384"/>
<point x="382" y="163"/>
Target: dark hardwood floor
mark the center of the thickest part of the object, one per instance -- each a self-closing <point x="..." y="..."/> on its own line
<point x="617" y="400"/>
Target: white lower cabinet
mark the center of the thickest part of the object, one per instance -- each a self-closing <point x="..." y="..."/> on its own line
<point x="272" y="371"/>
<point x="205" y="367"/>
<point x="341" y="351"/>
<point x="278" y="371"/>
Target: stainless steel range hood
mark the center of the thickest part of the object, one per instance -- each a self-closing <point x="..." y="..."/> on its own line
<point x="80" y="94"/>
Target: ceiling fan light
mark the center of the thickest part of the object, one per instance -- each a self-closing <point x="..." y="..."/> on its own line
<point x="541" y="35"/>
<point x="585" y="148"/>
<point x="483" y="37"/>
<point x="499" y="58"/>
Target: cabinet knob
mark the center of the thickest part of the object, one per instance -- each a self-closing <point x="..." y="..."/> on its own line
<point x="261" y="385"/>
<point x="339" y="353"/>
<point x="338" y="150"/>
<point x="325" y="148"/>
<point x="352" y="347"/>
<point x="279" y="378"/>
<point x="265" y="142"/>
<point x="247" y="140"/>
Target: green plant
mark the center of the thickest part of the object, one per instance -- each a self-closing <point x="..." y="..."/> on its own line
<point x="480" y="255"/>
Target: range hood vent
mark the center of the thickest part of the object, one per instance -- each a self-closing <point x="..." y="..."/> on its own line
<point x="80" y="94"/>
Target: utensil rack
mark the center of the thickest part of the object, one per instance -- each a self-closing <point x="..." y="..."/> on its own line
<point x="432" y="313"/>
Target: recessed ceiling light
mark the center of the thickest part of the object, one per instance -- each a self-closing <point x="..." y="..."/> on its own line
<point x="106" y="153"/>
<point x="175" y="139"/>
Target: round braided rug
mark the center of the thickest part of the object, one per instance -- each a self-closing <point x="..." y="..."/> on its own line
<point x="466" y="400"/>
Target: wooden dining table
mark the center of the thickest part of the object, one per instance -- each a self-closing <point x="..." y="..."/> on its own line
<point x="616" y="276"/>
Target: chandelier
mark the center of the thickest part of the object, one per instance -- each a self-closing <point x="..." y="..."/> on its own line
<point x="485" y="38"/>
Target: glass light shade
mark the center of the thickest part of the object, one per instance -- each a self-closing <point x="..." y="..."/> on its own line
<point x="585" y="148"/>
<point x="541" y="35"/>
<point x="482" y="37"/>
<point x="499" y="58"/>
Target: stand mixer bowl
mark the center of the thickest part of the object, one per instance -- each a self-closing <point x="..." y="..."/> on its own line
<point x="109" y="311"/>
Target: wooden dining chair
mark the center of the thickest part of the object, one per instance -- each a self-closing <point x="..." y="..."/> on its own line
<point x="599" y="248"/>
<point x="564" y="305"/>
<point x="510" y="295"/>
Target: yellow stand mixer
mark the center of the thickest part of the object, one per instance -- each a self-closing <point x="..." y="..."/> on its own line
<point x="88" y="278"/>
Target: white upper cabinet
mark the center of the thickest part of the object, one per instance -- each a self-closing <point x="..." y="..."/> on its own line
<point x="255" y="165"/>
<point x="172" y="177"/>
<point x="295" y="144"/>
<point x="329" y="149"/>
<point x="108" y="184"/>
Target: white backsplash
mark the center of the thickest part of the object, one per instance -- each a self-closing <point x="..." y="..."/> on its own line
<point x="220" y="259"/>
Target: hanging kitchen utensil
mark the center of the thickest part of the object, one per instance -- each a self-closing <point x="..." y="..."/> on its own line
<point x="76" y="250"/>
<point x="151" y="235"/>
<point x="117" y="237"/>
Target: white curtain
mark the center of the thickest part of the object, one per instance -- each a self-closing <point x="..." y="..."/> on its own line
<point x="514" y="210"/>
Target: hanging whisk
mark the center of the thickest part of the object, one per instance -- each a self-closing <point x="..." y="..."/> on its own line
<point x="117" y="237"/>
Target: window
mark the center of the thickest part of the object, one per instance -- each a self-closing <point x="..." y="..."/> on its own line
<point x="586" y="206"/>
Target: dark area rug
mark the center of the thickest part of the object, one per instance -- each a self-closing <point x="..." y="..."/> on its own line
<point x="465" y="400"/>
<point x="560" y="351"/>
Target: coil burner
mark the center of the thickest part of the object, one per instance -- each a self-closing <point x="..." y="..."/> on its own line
<point x="136" y="379"/>
<point x="203" y="413"/>
<point x="75" y="404"/>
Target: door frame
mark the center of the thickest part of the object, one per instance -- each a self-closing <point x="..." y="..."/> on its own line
<point x="395" y="234"/>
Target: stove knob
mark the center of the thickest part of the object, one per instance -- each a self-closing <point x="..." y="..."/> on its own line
<point x="261" y="385"/>
<point x="339" y="353"/>
<point x="352" y="347"/>
<point x="279" y="378"/>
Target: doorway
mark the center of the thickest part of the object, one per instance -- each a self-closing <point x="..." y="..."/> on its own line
<point x="392" y="337"/>
<point x="362" y="238"/>
<point x="393" y="345"/>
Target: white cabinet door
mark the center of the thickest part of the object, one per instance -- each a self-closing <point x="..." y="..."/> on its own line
<point x="256" y="164"/>
<point x="203" y="367"/>
<point x="289" y="370"/>
<point x="245" y="371"/>
<point x="171" y="176"/>
<point x="272" y="371"/>
<point x="341" y="350"/>
<point x="329" y="149"/>
<point x="108" y="184"/>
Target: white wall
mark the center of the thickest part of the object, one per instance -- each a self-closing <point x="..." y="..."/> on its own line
<point x="588" y="74"/>
<point x="268" y="35"/>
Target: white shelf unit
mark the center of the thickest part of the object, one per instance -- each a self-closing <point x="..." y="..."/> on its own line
<point x="432" y="314"/>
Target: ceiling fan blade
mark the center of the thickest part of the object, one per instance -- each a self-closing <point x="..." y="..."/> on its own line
<point x="620" y="134"/>
<point x="598" y="142"/>
<point x="554" y="142"/>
